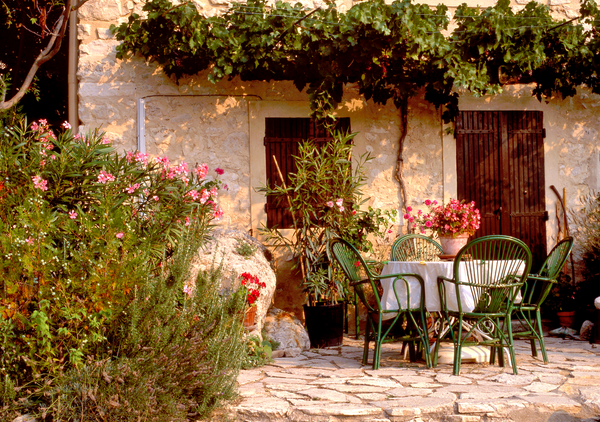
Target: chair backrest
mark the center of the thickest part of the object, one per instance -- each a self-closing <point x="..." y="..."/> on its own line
<point x="493" y="268"/>
<point x="356" y="269"/>
<point x="538" y="288"/>
<point x="415" y="247"/>
<point x="556" y="258"/>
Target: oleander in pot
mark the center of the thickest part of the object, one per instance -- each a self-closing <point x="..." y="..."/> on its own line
<point x="324" y="197"/>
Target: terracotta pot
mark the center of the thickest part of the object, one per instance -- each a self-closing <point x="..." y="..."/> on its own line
<point x="249" y="316"/>
<point x="566" y="318"/>
<point x="451" y="245"/>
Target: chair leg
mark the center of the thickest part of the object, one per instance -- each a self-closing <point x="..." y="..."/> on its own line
<point x="457" y="349"/>
<point x="367" y="340"/>
<point x="356" y="316"/>
<point x="378" y="341"/>
<point x="424" y="334"/>
<point x="540" y="332"/>
<point x="511" y="348"/>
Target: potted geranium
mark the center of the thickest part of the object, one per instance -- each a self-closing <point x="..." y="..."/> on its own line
<point x="250" y="286"/>
<point x="453" y="223"/>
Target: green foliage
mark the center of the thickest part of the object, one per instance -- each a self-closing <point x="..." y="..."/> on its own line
<point x="325" y="199"/>
<point x="390" y="51"/>
<point x="245" y="249"/>
<point x="562" y="296"/>
<point x="258" y="353"/>
<point x="169" y="356"/>
<point x="80" y="227"/>
<point x="587" y="225"/>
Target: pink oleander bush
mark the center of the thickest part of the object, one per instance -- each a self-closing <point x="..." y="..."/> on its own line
<point x="453" y="219"/>
<point x="83" y="226"/>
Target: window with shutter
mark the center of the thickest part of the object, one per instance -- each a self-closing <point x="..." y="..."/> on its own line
<point x="282" y="136"/>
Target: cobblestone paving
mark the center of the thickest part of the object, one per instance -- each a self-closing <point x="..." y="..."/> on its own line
<point x="332" y="385"/>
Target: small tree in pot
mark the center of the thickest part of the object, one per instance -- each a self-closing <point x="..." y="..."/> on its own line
<point x="324" y="197"/>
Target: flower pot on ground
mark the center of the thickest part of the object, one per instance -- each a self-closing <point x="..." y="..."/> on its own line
<point x="566" y="318"/>
<point x="325" y="324"/>
<point x="249" y="316"/>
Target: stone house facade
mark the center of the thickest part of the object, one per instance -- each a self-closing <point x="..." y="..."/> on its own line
<point x="223" y="124"/>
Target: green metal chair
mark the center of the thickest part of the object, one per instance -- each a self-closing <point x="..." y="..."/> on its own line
<point x="415" y="247"/>
<point x="487" y="276"/>
<point x="360" y="276"/>
<point x="535" y="291"/>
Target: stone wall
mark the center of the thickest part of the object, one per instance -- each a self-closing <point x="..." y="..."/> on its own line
<point x="220" y="124"/>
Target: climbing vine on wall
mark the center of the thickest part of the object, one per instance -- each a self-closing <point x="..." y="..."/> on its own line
<point x="389" y="51"/>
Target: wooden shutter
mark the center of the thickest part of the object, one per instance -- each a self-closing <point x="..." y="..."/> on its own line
<point x="282" y="136"/>
<point x="500" y="166"/>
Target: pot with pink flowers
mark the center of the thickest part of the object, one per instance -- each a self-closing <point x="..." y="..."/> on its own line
<point x="453" y="223"/>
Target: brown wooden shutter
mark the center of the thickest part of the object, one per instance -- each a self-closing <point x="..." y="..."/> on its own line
<point x="500" y="166"/>
<point x="282" y="136"/>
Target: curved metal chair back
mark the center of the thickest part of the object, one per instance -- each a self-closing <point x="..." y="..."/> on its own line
<point x="356" y="270"/>
<point x="415" y="247"/>
<point x="540" y="284"/>
<point x="556" y="258"/>
<point x="493" y="268"/>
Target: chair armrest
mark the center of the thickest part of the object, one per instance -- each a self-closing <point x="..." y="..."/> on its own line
<point x="356" y="283"/>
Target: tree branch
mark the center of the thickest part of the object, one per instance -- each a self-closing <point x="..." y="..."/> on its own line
<point x="53" y="46"/>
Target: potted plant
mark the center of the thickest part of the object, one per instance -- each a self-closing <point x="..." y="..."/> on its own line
<point x="250" y="287"/>
<point x="453" y="223"/>
<point x="562" y="300"/>
<point x="324" y="197"/>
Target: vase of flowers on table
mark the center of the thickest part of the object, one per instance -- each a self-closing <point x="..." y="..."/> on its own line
<point x="453" y="223"/>
<point x="251" y="285"/>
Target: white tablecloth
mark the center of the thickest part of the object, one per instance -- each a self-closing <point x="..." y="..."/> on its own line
<point x="430" y="272"/>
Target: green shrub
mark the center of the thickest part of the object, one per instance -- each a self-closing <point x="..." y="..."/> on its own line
<point x="81" y="227"/>
<point x="587" y="225"/>
<point x="177" y="354"/>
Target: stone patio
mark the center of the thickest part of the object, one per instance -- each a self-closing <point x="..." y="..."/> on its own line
<point x="332" y="385"/>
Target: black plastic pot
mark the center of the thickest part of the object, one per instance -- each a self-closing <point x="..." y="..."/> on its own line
<point x="325" y="324"/>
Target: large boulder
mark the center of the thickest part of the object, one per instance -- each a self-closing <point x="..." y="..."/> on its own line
<point x="239" y="253"/>
<point x="288" y="331"/>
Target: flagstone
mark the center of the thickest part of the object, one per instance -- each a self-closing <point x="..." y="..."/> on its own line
<point x="414" y="406"/>
<point x="329" y="395"/>
<point x="412" y="379"/>
<point x="340" y="409"/>
<point x="540" y="387"/>
<point x="407" y="392"/>
<point x="452" y="379"/>
<point x="380" y="382"/>
<point x="553" y="402"/>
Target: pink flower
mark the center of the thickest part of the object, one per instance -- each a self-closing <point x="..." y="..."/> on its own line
<point x="72" y="215"/>
<point x="339" y="202"/>
<point x="406" y="216"/>
<point x="201" y="171"/>
<point x="219" y="171"/>
<point x="428" y="202"/>
<point x="218" y="213"/>
<point x="389" y="231"/>
<point x="193" y="193"/>
<point x="29" y="241"/>
<point x="132" y="188"/>
<point x="40" y="183"/>
<point x="66" y="125"/>
<point x="105" y="141"/>
<point x="353" y="212"/>
<point x="156" y="198"/>
<point x="341" y="209"/>
<point x="34" y="126"/>
<point x="428" y="224"/>
<point x="329" y="204"/>
<point x="104" y="177"/>
<point x="120" y="235"/>
<point x="408" y="209"/>
<point x="189" y="287"/>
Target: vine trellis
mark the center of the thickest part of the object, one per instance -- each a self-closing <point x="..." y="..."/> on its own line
<point x="389" y="51"/>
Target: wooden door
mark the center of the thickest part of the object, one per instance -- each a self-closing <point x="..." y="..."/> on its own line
<point x="281" y="144"/>
<point x="500" y="166"/>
